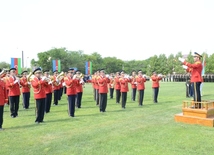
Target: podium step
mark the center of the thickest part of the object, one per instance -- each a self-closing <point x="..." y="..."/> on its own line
<point x="194" y="120"/>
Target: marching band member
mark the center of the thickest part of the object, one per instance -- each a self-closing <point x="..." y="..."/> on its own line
<point x="48" y="91"/>
<point x="56" y="87"/>
<point x="93" y="81"/>
<point x="195" y="69"/>
<point x="141" y="79"/>
<point x="79" y="89"/>
<point x="155" y="85"/>
<point x="103" y="81"/>
<point x="5" y="79"/>
<point x="39" y="83"/>
<point x="117" y="87"/>
<point x="14" y="92"/>
<point x="124" y="79"/>
<point x="97" y="88"/>
<point x="70" y="83"/>
<point x="133" y="84"/>
<point x="111" y="85"/>
<point x="25" y="90"/>
<point x="3" y="100"/>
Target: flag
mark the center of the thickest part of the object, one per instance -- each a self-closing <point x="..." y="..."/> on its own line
<point x="88" y="67"/>
<point x="16" y="63"/>
<point x="56" y="65"/>
<point x="203" y="65"/>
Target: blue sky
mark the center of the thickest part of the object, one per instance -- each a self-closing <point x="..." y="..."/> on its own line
<point x="127" y="29"/>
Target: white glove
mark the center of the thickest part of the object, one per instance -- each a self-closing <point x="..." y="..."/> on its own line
<point x="144" y="76"/>
<point x="159" y="75"/>
<point x="74" y="77"/>
<point x="28" y="83"/>
<point x="181" y="59"/>
<point x="107" y="76"/>
<point x="43" y="78"/>
<point x="112" y="85"/>
<point x="63" y="84"/>
<point x="16" y="81"/>
<point x="57" y="80"/>
<point x="135" y="82"/>
<point x="50" y="82"/>
<point x="185" y="67"/>
<point x="81" y="81"/>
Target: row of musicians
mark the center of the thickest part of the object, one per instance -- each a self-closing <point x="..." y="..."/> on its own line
<point x="119" y="82"/>
<point x="43" y="86"/>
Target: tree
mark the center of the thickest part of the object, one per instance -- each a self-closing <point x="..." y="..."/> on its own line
<point x="4" y="65"/>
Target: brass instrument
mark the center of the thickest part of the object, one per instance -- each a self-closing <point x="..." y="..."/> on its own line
<point x="29" y="76"/>
<point x="3" y="73"/>
<point x="60" y="75"/>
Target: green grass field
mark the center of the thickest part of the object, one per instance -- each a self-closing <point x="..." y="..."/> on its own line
<point x="149" y="130"/>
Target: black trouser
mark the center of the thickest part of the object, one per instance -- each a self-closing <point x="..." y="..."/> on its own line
<point x="140" y="97"/>
<point x="56" y="96"/>
<point x="40" y="110"/>
<point x="79" y="99"/>
<point x="134" y="93"/>
<point x="118" y="94"/>
<point x="197" y="93"/>
<point x="103" y="102"/>
<point x="14" y="105"/>
<point x="97" y="97"/>
<point x="48" y="100"/>
<point x="26" y="100"/>
<point x="124" y="98"/>
<point x="111" y="90"/>
<point x="71" y="105"/>
<point x="94" y="94"/>
<point x="1" y="115"/>
<point x="187" y="90"/>
<point x="60" y="93"/>
<point x="155" y="94"/>
<point x="65" y="89"/>
<point x="8" y="102"/>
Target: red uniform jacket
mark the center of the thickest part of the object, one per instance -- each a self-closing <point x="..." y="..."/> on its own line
<point x="96" y="82"/>
<point x="79" y="87"/>
<point x="25" y="85"/>
<point x="93" y="81"/>
<point x="133" y="80"/>
<point x="48" y="89"/>
<point x="195" y="70"/>
<point x="103" y="84"/>
<point x="70" y="85"/>
<point x="155" y="81"/>
<point x="14" y="89"/>
<point x="117" y="83"/>
<point x="39" y="88"/>
<point x="56" y="85"/>
<point x="124" y="84"/>
<point x="3" y="93"/>
<point x="140" y="82"/>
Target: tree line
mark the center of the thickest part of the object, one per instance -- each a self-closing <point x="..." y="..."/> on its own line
<point x="159" y="63"/>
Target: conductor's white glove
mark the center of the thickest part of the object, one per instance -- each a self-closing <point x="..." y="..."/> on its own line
<point x="185" y="67"/>
<point x="63" y="84"/>
<point x="181" y="59"/>
<point x="16" y="81"/>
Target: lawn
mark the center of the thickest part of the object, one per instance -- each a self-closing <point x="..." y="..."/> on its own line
<point x="148" y="130"/>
